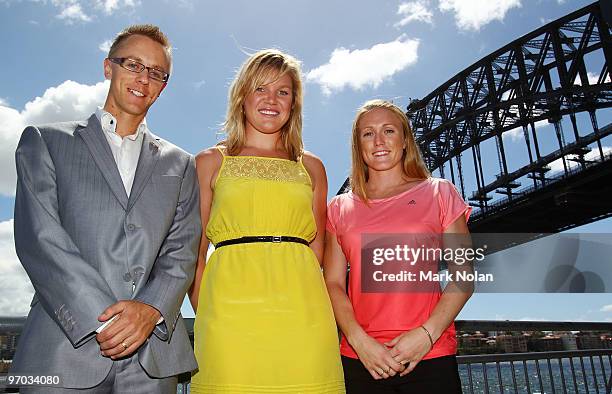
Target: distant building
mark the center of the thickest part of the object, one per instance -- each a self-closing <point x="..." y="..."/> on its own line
<point x="8" y="345"/>
<point x="476" y="343"/>
<point x="549" y="343"/>
<point x="10" y="328"/>
<point x="512" y="343"/>
<point x="589" y="340"/>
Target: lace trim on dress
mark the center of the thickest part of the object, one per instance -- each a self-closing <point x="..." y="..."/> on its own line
<point x="264" y="168"/>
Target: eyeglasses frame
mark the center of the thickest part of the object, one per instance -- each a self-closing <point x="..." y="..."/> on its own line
<point x="119" y="61"/>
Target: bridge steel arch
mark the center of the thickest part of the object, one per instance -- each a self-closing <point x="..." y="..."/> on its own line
<point x="542" y="76"/>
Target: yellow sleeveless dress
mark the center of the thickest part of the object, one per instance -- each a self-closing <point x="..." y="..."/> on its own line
<point x="264" y="322"/>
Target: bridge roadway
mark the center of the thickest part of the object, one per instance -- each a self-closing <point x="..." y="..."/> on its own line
<point x="579" y="196"/>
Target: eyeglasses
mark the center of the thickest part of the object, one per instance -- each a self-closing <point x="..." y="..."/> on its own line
<point x="137" y="67"/>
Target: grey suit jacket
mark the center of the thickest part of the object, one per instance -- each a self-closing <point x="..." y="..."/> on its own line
<point x="85" y="245"/>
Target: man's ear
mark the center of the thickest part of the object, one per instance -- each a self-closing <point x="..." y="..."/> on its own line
<point x="108" y="71"/>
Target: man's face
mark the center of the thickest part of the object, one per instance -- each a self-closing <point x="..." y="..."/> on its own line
<point x="133" y="93"/>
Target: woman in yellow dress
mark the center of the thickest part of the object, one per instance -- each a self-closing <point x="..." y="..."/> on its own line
<point x="264" y="322"/>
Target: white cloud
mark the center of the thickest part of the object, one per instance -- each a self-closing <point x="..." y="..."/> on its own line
<point x="593" y="78"/>
<point x="186" y="4"/>
<point x="473" y="14"/>
<point x="3" y="102"/>
<point x="199" y="84"/>
<point x="529" y="318"/>
<point x="516" y="135"/>
<point x="110" y="6"/>
<point x="15" y="288"/>
<point x="73" y="13"/>
<point x="557" y="165"/>
<point x="414" y="11"/>
<point x="364" y="67"/>
<point x="105" y="46"/>
<point x="68" y="101"/>
<point x="606" y="308"/>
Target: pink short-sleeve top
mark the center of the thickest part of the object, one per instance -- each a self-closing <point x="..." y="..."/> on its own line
<point x="430" y="207"/>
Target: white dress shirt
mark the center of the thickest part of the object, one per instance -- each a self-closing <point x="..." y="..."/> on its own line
<point x="126" y="150"/>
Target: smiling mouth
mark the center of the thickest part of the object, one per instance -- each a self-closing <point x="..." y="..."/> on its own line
<point x="269" y="112"/>
<point x="136" y="93"/>
<point x="381" y="153"/>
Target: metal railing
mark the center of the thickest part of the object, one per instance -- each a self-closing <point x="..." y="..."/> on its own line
<point x="578" y="371"/>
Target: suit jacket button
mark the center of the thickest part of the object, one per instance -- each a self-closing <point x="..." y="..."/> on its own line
<point x="131" y="227"/>
<point x="127" y="277"/>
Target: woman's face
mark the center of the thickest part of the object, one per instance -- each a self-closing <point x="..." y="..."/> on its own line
<point x="381" y="139"/>
<point x="268" y="108"/>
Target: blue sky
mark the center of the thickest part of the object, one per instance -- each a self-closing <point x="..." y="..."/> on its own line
<point x="350" y="52"/>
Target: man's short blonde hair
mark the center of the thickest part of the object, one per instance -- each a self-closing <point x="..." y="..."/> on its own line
<point x="151" y="31"/>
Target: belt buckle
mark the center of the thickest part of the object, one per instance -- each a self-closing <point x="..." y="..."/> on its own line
<point x="276" y="239"/>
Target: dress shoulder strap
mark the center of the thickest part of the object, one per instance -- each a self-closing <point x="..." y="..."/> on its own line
<point x="300" y="160"/>
<point x="221" y="149"/>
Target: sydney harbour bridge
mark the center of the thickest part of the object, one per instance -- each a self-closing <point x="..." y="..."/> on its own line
<point x="524" y="133"/>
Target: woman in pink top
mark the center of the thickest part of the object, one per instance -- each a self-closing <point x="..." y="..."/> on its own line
<point x="396" y="340"/>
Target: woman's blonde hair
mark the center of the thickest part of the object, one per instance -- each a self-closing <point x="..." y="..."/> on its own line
<point x="257" y="69"/>
<point x="413" y="164"/>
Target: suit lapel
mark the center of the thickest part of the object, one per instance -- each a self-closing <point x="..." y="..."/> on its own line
<point x="103" y="157"/>
<point x="149" y="155"/>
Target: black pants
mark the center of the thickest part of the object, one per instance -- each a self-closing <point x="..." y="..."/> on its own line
<point x="433" y="376"/>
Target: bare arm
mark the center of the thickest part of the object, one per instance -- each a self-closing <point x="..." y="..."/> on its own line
<point x="208" y="163"/>
<point x="374" y="356"/>
<point x="316" y="170"/>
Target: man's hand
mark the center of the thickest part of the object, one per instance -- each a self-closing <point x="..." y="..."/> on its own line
<point x="129" y="330"/>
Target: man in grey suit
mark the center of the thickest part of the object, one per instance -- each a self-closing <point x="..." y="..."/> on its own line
<point x="107" y="227"/>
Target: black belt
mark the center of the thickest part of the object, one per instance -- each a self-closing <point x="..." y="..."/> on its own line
<point x="262" y="238"/>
